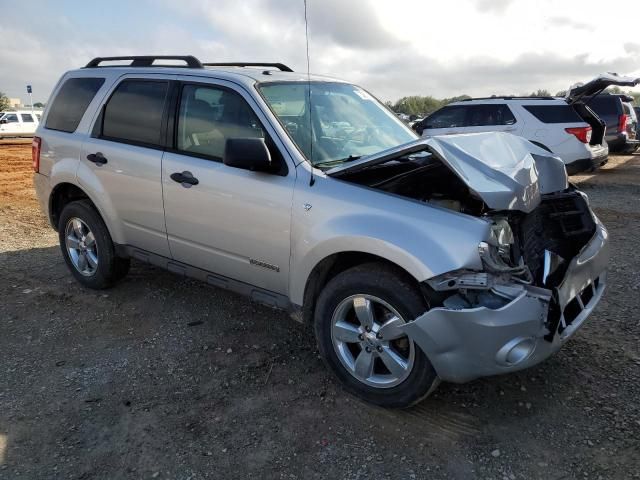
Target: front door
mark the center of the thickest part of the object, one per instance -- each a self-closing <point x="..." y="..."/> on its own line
<point x="233" y="222"/>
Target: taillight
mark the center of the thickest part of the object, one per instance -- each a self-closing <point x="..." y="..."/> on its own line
<point x="581" y="133"/>
<point x="35" y="153"/>
<point x="622" y="123"/>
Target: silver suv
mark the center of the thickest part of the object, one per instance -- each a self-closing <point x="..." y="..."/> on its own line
<point x="413" y="260"/>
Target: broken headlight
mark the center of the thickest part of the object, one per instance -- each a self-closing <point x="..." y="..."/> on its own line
<point x="502" y="240"/>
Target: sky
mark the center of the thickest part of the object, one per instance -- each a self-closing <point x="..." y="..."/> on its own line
<point x="393" y="48"/>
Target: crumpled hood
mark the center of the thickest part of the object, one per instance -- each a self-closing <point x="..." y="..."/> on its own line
<point x="507" y="172"/>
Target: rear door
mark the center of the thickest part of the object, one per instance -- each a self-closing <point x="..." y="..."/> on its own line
<point x="121" y="161"/>
<point x="28" y="123"/>
<point x="234" y="222"/>
<point x="490" y="117"/>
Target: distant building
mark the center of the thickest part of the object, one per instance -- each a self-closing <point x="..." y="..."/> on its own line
<point x="15" y="103"/>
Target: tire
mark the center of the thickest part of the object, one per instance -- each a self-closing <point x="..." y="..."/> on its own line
<point x="94" y="264"/>
<point x="372" y="283"/>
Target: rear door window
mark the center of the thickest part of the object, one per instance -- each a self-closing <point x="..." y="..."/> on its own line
<point x="447" y="117"/>
<point x="26" y="118"/>
<point x="134" y="112"/>
<point x="71" y="102"/>
<point x="489" y="114"/>
<point x="554" y="113"/>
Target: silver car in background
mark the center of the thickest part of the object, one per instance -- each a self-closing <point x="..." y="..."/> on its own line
<point x="412" y="260"/>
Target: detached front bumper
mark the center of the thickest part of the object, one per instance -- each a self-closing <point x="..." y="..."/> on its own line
<point x="469" y="343"/>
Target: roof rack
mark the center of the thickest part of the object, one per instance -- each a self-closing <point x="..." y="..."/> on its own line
<point x="280" y="66"/>
<point x="147" y="61"/>
<point x="509" y="97"/>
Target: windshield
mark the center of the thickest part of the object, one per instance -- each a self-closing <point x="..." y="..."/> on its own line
<point x="343" y="123"/>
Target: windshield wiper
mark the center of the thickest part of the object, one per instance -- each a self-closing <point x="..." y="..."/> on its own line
<point x="328" y="163"/>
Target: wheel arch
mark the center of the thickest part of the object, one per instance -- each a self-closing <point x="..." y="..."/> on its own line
<point x="334" y="264"/>
<point x="541" y="145"/>
<point x="65" y="192"/>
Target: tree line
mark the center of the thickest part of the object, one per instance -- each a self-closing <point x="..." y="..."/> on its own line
<point x="424" y="105"/>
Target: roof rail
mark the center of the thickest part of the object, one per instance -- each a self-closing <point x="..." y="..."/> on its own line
<point x="509" y="97"/>
<point x="147" y="61"/>
<point x="280" y="66"/>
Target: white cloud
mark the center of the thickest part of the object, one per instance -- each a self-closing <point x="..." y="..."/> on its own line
<point x="391" y="48"/>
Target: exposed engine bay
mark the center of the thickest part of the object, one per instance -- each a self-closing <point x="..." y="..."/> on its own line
<point x="421" y="177"/>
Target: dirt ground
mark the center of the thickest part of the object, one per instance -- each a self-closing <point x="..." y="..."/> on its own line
<point x="162" y="377"/>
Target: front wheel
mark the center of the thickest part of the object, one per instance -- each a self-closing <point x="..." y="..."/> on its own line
<point x="356" y="322"/>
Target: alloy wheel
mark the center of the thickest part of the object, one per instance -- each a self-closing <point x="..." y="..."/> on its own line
<point x="368" y="342"/>
<point x="81" y="246"/>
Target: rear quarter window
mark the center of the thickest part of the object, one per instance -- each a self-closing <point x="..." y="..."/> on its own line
<point x="554" y="113"/>
<point x="71" y="102"/>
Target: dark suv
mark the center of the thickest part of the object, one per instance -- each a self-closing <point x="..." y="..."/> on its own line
<point x="617" y="112"/>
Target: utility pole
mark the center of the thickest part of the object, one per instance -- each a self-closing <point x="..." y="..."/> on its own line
<point x="30" y="97"/>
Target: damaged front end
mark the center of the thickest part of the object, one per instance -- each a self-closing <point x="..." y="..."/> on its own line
<point x="515" y="314"/>
<point x="543" y="262"/>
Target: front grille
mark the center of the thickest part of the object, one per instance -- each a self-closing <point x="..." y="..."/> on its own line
<point x="558" y="320"/>
<point x="562" y="224"/>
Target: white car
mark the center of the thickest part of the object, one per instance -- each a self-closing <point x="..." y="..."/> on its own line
<point x="567" y="127"/>
<point x="550" y="123"/>
<point x="22" y="123"/>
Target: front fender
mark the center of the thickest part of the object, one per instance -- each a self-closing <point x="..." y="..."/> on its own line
<point x="423" y="240"/>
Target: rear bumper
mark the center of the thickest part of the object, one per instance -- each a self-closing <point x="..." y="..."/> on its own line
<point x="469" y="343"/>
<point x="621" y="141"/>
<point x="587" y="164"/>
<point x="43" y="190"/>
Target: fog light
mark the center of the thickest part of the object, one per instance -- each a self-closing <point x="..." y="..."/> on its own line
<point x="516" y="351"/>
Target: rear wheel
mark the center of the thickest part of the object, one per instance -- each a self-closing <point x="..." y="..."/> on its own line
<point x="357" y="320"/>
<point x="87" y="247"/>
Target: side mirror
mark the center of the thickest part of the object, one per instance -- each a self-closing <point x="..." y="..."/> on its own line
<point x="3" y="121"/>
<point x="248" y="154"/>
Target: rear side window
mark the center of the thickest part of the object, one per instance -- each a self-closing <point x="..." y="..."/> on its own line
<point x="489" y="114"/>
<point x="71" y="102"/>
<point x="553" y="113"/>
<point x="134" y="112"/>
<point x="26" y="118"/>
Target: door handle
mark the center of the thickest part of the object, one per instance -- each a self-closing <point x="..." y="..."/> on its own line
<point x="186" y="179"/>
<point x="97" y="158"/>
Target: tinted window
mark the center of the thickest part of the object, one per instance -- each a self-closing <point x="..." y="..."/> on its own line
<point x="447" y="117"/>
<point x="605" y="105"/>
<point x="26" y="118"/>
<point x="71" y="102"/>
<point x="489" y="114"/>
<point x="208" y="116"/>
<point x="10" y="118"/>
<point x="134" y="112"/>
<point x="553" y="113"/>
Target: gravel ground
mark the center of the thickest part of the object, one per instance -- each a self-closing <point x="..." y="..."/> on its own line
<point x="162" y="377"/>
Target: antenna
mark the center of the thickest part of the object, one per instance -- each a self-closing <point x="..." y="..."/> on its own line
<point x="306" y="34"/>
